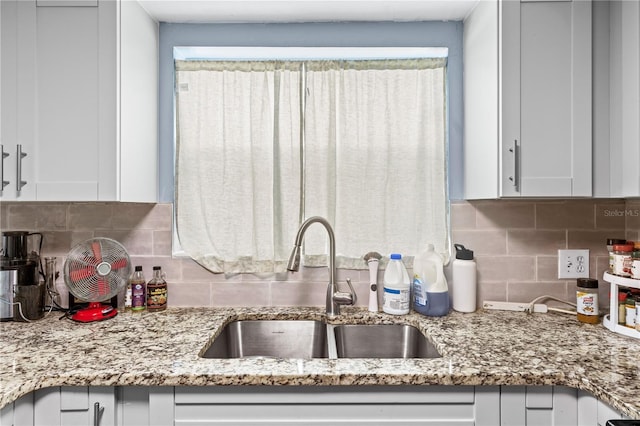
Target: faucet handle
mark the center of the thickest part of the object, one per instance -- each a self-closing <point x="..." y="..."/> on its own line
<point x="346" y="298"/>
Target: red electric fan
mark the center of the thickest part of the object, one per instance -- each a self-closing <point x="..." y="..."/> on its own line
<point x="96" y="270"/>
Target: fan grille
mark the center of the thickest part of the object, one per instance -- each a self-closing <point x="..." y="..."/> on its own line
<point x="97" y="269"/>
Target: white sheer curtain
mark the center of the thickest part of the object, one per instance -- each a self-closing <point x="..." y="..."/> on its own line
<point x="376" y="157"/>
<point x="238" y="163"/>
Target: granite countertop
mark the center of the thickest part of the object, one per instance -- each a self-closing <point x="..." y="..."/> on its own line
<point x="161" y="348"/>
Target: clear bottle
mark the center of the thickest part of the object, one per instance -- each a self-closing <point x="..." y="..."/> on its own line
<point x="397" y="287"/>
<point x="430" y="291"/>
<point x="138" y="290"/>
<point x="464" y="280"/>
<point x="157" y="291"/>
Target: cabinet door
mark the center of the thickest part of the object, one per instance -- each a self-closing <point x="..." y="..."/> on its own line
<point x="538" y="405"/>
<point x="546" y="94"/>
<point x="75" y="406"/>
<point x="17" y="89"/>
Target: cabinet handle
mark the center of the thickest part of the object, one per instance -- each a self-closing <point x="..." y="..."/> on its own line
<point x="4" y="155"/>
<point x="515" y="178"/>
<point x="20" y="183"/>
<point x="97" y="413"/>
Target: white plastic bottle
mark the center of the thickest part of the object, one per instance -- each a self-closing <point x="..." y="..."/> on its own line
<point x="397" y="287"/>
<point x="430" y="290"/>
<point x="464" y="280"/>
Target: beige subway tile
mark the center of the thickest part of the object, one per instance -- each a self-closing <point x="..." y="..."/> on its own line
<point x="595" y="241"/>
<point x="78" y="237"/>
<point x="4" y="211"/>
<point x="142" y="216"/>
<point x="506" y="268"/>
<point x="527" y="291"/>
<point x="505" y="214"/>
<point x="570" y="214"/>
<point x="56" y="243"/>
<point x="535" y="242"/>
<point x="632" y="215"/>
<point x="547" y="268"/>
<point x="189" y="294"/>
<point x="632" y="235"/>
<point x="192" y="271"/>
<point x="137" y="243"/>
<point x="240" y="294"/>
<point x="90" y="216"/>
<point x="482" y="242"/>
<point x="610" y="215"/>
<point x="162" y="243"/>
<point x="23" y="217"/>
<point x="463" y="215"/>
<point x="296" y="293"/>
<point x="598" y="265"/>
<point x="496" y="292"/>
<point x="603" y="294"/>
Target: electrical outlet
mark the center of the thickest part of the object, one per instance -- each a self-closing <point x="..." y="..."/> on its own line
<point x="573" y="264"/>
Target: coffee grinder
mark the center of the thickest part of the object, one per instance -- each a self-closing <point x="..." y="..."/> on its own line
<point x="22" y="294"/>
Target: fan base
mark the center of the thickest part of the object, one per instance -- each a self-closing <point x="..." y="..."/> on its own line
<point x="96" y="311"/>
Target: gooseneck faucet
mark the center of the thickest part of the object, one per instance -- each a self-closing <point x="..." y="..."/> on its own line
<point x="335" y="298"/>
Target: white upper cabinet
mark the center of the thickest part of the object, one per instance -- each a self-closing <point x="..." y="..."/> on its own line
<point x="624" y="68"/>
<point x="86" y="100"/>
<point x="528" y="99"/>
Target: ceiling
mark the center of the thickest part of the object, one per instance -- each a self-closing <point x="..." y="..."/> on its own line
<point x="268" y="11"/>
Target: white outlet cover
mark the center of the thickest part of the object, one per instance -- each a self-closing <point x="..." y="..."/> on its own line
<point x="573" y="264"/>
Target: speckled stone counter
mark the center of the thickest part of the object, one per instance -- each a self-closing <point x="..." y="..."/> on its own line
<point x="483" y="348"/>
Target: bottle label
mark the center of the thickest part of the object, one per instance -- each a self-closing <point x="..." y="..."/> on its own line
<point x="138" y="299"/>
<point x="419" y="291"/>
<point x="587" y="303"/>
<point x="156" y="296"/>
<point x="396" y="299"/>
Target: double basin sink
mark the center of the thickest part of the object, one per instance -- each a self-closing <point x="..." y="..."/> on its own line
<point x="308" y="339"/>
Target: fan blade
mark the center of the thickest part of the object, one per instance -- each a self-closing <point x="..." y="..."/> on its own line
<point x="81" y="274"/>
<point x="97" y="253"/>
<point x="119" y="263"/>
<point x="103" y="287"/>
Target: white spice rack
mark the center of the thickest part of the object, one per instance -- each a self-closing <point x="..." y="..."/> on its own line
<point x="611" y="321"/>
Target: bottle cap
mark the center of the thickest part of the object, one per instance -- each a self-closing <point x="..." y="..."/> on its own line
<point x="623" y="247"/>
<point x="622" y="296"/>
<point x="615" y="241"/>
<point x="157" y="268"/>
<point x="395" y="256"/>
<point x="463" y="253"/>
<point x="587" y="282"/>
<point x="138" y="268"/>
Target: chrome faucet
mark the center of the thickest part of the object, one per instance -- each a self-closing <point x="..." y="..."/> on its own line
<point x="335" y="298"/>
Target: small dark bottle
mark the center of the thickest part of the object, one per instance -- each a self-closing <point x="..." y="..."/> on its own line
<point x="157" y="291"/>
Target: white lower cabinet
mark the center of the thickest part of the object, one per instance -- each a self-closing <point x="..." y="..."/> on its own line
<point x="302" y="405"/>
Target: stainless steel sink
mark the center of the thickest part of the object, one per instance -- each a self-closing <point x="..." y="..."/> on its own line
<point x="270" y="338"/>
<point x="305" y="339"/>
<point x="382" y="341"/>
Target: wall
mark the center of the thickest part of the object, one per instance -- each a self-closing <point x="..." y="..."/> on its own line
<point x="515" y="243"/>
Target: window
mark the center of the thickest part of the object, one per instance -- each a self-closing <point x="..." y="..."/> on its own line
<point x="365" y="147"/>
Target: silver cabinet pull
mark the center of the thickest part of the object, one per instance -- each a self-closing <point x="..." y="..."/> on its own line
<point x="20" y="183"/>
<point x="97" y="413"/>
<point x="515" y="178"/>
<point x="4" y="155"/>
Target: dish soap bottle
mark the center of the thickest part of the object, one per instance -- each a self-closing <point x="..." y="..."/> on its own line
<point x="430" y="291"/>
<point x="397" y="287"/>
<point x="157" y="291"/>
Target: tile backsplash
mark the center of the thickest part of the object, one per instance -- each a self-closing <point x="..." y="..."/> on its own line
<point x="515" y="244"/>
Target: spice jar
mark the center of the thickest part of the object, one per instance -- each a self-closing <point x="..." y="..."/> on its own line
<point x="622" y="260"/>
<point x="610" y="243"/>
<point x="630" y="309"/>
<point x="622" y="311"/>
<point x="587" y="300"/>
